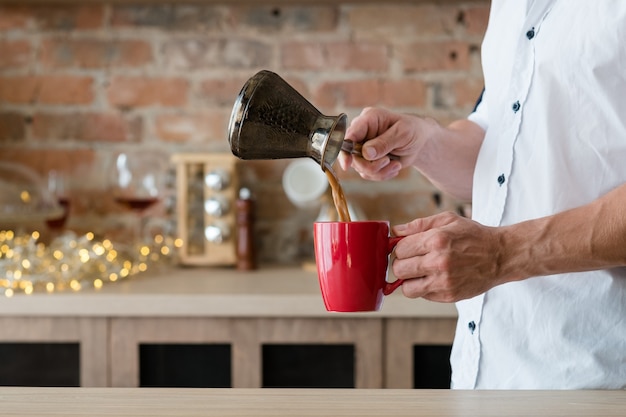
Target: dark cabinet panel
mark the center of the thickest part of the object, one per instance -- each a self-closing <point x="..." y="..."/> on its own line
<point x="308" y="366"/>
<point x="185" y="365"/>
<point x="40" y="364"/>
<point x="431" y="366"/>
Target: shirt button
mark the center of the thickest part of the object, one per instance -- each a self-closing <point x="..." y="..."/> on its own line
<point x="531" y="33"/>
<point x="471" y="326"/>
<point x="501" y="179"/>
<point x="516" y="106"/>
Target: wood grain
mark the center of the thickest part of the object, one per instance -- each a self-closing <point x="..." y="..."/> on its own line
<point x="132" y="402"/>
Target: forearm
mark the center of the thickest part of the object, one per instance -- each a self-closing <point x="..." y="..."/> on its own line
<point x="586" y="238"/>
<point x="449" y="157"/>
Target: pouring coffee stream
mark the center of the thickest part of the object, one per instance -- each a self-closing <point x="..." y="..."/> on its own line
<point x="271" y="120"/>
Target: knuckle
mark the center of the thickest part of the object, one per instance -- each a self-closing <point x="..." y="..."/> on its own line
<point x="410" y="292"/>
<point x="448" y="215"/>
<point x="444" y="266"/>
<point x="439" y="240"/>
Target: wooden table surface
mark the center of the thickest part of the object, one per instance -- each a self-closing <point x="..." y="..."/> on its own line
<point x="132" y="402"/>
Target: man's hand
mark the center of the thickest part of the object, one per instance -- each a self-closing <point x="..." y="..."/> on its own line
<point x="444" y="155"/>
<point x="446" y="258"/>
<point x="383" y="133"/>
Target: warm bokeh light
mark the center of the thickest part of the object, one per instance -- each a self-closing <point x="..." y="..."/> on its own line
<point x="72" y="262"/>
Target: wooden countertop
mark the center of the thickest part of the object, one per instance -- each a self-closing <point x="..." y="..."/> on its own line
<point x="132" y="402"/>
<point x="273" y="291"/>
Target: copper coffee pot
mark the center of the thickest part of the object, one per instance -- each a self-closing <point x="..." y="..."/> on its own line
<point x="271" y="120"/>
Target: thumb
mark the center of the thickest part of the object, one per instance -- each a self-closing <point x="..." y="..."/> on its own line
<point x="379" y="146"/>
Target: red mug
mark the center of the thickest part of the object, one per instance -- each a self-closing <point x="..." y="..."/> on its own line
<point x="352" y="261"/>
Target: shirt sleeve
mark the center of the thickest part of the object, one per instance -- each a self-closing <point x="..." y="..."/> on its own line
<point x="480" y="114"/>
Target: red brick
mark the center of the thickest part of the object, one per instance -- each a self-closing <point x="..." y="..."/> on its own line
<point x="14" y="17"/>
<point x="358" y="93"/>
<point x="221" y="91"/>
<point x="364" y="56"/>
<point x="202" y="52"/>
<point x="286" y="18"/>
<point x="402" y="19"/>
<point x="209" y="126"/>
<point x="435" y="56"/>
<point x="43" y="160"/>
<point x="12" y="127"/>
<point x="94" y="53"/>
<point x="303" y="55"/>
<point x="47" y="89"/>
<point x="467" y="91"/>
<point x="87" y="127"/>
<point x="53" y="17"/>
<point x="19" y="90"/>
<point x="403" y="93"/>
<point x="71" y="17"/>
<point x="187" y="17"/>
<point x="353" y="56"/>
<point x="224" y="90"/>
<point x="141" y="91"/>
<point x="14" y="54"/>
<point x="66" y="90"/>
<point x="476" y="19"/>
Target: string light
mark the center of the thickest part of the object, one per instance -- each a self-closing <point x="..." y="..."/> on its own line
<point x="72" y="262"/>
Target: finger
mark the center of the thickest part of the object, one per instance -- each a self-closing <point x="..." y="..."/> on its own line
<point x="388" y="171"/>
<point x="365" y="126"/>
<point x="369" y="167"/>
<point x="415" y="287"/>
<point x="424" y="287"/>
<point x="415" y="265"/>
<point x="380" y="146"/>
<point x="424" y="223"/>
<point x="345" y="160"/>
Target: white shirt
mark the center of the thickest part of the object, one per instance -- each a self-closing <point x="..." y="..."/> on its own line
<point x="554" y="111"/>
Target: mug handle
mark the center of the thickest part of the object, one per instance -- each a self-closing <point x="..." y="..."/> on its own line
<point x="392" y="286"/>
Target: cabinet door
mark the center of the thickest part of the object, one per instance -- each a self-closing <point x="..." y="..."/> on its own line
<point x="355" y="343"/>
<point x="55" y="351"/>
<point x="138" y="343"/>
<point x="415" y="352"/>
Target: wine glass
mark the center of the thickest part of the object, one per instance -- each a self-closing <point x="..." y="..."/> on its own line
<point x="137" y="180"/>
<point x="59" y="191"/>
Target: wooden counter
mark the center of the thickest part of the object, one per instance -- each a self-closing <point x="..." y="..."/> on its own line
<point x="131" y="402"/>
<point x="209" y="292"/>
<point x="221" y="306"/>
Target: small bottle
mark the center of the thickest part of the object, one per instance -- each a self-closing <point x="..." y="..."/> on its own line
<point x="246" y="256"/>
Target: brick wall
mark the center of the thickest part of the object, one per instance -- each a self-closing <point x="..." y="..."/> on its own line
<point x="78" y="82"/>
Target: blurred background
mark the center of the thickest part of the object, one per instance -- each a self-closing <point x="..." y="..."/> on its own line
<point x="82" y="81"/>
